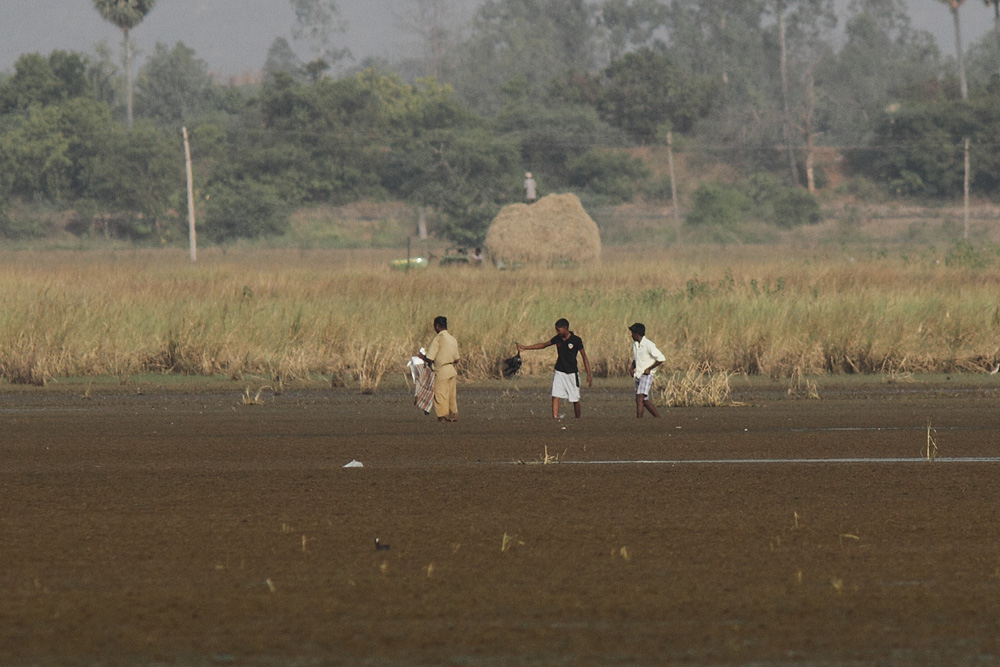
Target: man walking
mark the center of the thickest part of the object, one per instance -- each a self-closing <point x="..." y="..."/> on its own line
<point x="442" y="355"/>
<point x="645" y="358"/>
<point x="566" y="381"/>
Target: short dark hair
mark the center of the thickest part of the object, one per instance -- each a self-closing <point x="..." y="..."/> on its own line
<point x="562" y="323"/>
<point x="441" y="321"/>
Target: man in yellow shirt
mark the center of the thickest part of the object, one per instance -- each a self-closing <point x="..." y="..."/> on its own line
<point x="442" y="355"/>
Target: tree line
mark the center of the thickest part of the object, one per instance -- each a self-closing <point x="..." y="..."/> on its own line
<point x="562" y="88"/>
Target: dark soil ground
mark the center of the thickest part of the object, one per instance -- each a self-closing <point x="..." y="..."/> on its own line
<point x="178" y="526"/>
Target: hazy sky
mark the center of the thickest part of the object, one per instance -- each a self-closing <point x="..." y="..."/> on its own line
<point x="232" y="36"/>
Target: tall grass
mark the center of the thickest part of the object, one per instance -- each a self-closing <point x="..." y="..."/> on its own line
<point x="290" y="313"/>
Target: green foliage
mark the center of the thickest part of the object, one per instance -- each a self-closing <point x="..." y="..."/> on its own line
<point x="645" y="90"/>
<point x="173" y="86"/>
<point x="44" y="81"/>
<point x="551" y="135"/>
<point x="985" y="159"/>
<point x="795" y="207"/>
<point x="630" y="23"/>
<point x="444" y="156"/>
<point x="245" y="209"/>
<point x="772" y="201"/>
<point x="855" y="92"/>
<point x="5" y="223"/>
<point x="615" y="175"/>
<point x="49" y="149"/>
<point x="918" y="150"/>
<point x="729" y="43"/>
<point x="525" y="102"/>
<point x="316" y="22"/>
<point x="282" y="59"/>
<point x="965" y="255"/>
<point x="138" y="172"/>
<point x="19" y="229"/>
<point x="126" y="14"/>
<point x="863" y="189"/>
<point x="103" y="77"/>
<point x="719" y="205"/>
<point x="528" y="40"/>
<point x="465" y="173"/>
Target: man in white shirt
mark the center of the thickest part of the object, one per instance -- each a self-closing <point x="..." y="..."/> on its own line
<point x="645" y="358"/>
<point x="530" y="189"/>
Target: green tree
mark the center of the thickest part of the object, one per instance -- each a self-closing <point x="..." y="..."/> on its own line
<point x="551" y="132"/>
<point x="33" y="82"/>
<point x="44" y="81"/>
<point x="799" y="25"/>
<point x="49" y="148"/>
<point x="173" y="86"/>
<point x="644" y="90"/>
<point x="316" y="22"/>
<point x="138" y="173"/>
<point x="917" y="150"/>
<point x="532" y="40"/>
<point x="245" y="209"/>
<point x="104" y="78"/>
<point x="729" y="43"/>
<point x="782" y="205"/>
<point x="628" y="24"/>
<point x="126" y="14"/>
<point x="615" y="175"/>
<point x="334" y="133"/>
<point x="855" y="94"/>
<point x="281" y="59"/>
<point x="451" y="160"/>
<point x="984" y="105"/>
<point x="465" y="174"/>
<point x="718" y="204"/>
<point x="436" y="24"/>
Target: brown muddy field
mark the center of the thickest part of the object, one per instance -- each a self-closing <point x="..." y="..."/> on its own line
<point x="173" y="525"/>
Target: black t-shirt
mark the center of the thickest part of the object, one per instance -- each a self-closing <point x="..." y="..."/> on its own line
<point x="567" y="349"/>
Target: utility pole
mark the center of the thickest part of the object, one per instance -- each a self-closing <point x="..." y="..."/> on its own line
<point x="673" y="184"/>
<point x="192" y="235"/>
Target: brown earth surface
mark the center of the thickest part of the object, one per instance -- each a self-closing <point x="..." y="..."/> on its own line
<point x="178" y="526"/>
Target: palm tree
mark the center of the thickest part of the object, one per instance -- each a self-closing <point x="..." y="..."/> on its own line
<point x="954" y="5"/>
<point x="964" y="88"/>
<point x="996" y="18"/>
<point x="126" y="14"/>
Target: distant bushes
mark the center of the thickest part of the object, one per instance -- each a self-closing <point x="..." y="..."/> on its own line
<point x="611" y="174"/>
<point x="245" y="209"/>
<point x="718" y="204"/>
<point x="758" y="197"/>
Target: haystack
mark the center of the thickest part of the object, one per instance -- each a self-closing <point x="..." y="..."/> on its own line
<point x="553" y="230"/>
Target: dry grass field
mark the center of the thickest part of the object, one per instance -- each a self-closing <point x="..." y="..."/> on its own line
<point x="345" y="315"/>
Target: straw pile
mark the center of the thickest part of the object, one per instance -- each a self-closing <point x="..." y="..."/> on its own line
<point x="554" y="230"/>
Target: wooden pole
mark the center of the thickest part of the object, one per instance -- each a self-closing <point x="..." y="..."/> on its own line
<point x="966" y="187"/>
<point x="192" y="234"/>
<point x="786" y="125"/>
<point x="673" y="183"/>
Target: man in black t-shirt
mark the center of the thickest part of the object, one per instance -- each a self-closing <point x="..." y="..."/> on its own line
<point x="566" y="381"/>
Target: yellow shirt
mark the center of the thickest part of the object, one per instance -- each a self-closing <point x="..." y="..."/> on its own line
<point x="444" y="353"/>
